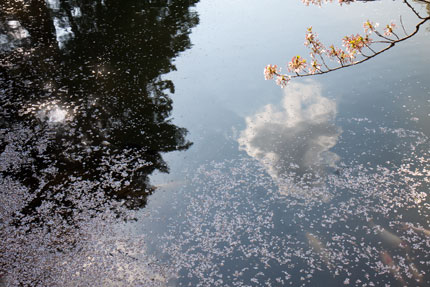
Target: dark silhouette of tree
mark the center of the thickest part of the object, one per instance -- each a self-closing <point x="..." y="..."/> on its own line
<point x="83" y="101"/>
<point x="85" y="119"/>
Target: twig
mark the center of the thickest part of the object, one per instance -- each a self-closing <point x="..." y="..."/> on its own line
<point x="382" y="36"/>
<point x="413" y="9"/>
<point x="323" y="61"/>
<point x="395" y="35"/>
<point x="370" y="48"/>
<point x="403" y="26"/>
<point x="392" y="44"/>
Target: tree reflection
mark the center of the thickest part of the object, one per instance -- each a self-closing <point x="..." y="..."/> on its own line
<point x="83" y="101"/>
<point x="85" y="121"/>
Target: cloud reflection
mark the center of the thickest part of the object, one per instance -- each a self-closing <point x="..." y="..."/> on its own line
<point x="293" y="140"/>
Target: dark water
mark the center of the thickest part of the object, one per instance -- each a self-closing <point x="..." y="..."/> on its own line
<point x="141" y="146"/>
<point x="85" y="110"/>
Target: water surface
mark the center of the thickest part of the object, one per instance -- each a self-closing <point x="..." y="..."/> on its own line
<point x="159" y="114"/>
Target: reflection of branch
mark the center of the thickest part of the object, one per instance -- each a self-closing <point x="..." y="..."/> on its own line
<point x="354" y="44"/>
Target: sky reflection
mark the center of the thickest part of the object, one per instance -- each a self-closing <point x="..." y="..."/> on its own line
<point x="87" y="126"/>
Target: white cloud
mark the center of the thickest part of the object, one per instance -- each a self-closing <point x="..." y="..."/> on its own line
<point x="293" y="140"/>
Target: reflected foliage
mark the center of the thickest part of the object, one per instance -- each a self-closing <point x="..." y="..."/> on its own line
<point x="83" y="101"/>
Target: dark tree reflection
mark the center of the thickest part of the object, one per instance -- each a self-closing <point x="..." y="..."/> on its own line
<point x="83" y="101"/>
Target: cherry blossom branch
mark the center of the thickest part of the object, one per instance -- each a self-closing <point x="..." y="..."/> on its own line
<point x="354" y="46"/>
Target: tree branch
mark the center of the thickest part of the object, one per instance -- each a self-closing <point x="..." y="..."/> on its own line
<point x="354" y="45"/>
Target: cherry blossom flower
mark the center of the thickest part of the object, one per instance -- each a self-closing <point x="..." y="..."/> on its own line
<point x="297" y="64"/>
<point x="315" y="2"/>
<point x="315" y="66"/>
<point x="389" y="29"/>
<point x="354" y="44"/>
<point x="340" y="55"/>
<point x="345" y="58"/>
<point x="270" y="71"/>
<point x="369" y="27"/>
<point x="282" y="80"/>
<point x="333" y="51"/>
<point x="310" y="37"/>
<point x="320" y="2"/>
<point x="315" y="45"/>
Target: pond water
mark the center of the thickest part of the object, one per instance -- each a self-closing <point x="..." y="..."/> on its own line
<point x="141" y="146"/>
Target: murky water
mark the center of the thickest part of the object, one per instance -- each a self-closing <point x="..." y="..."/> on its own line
<point x="141" y="146"/>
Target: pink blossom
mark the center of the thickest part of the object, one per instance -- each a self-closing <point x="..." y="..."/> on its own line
<point x="315" y="2"/>
<point x="270" y="71"/>
<point x="346" y="57"/>
<point x="354" y="44"/>
<point x="315" y="45"/>
<point x="310" y="37"/>
<point x="369" y="26"/>
<point x="282" y="80"/>
<point x="319" y="2"/>
<point x="315" y="66"/>
<point x="389" y="29"/>
<point x="297" y="64"/>
<point x="340" y="54"/>
<point x="333" y="52"/>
